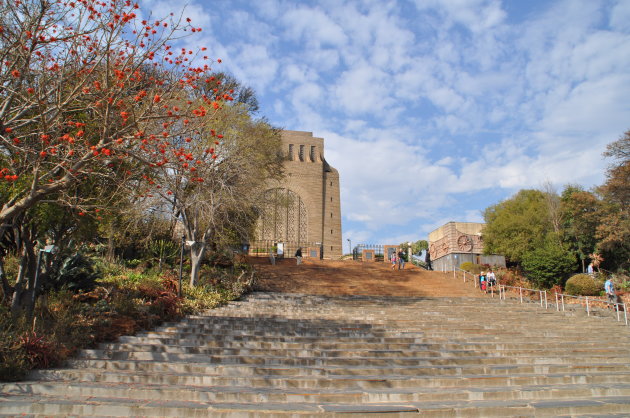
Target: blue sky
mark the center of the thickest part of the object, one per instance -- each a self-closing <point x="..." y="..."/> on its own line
<point x="432" y="110"/>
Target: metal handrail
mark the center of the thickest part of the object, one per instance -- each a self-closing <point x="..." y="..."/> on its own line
<point x="465" y="272"/>
<point x="560" y="300"/>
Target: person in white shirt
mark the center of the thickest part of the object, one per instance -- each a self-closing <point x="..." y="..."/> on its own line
<point x="492" y="278"/>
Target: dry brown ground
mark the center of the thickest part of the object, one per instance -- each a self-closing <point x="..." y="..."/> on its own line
<point x="336" y="278"/>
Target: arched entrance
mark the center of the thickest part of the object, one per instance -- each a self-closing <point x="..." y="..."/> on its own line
<point x="284" y="217"/>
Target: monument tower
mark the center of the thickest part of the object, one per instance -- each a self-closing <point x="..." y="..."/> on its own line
<point x="303" y="209"/>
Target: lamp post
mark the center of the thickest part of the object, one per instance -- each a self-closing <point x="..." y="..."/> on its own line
<point x="349" y="245"/>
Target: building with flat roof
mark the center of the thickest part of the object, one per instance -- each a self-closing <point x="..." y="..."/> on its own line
<point x="455" y="243"/>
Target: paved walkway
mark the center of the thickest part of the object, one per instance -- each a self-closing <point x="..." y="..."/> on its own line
<point x="337" y="278"/>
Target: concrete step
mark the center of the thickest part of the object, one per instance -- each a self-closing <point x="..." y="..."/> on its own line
<point x="376" y="376"/>
<point x="443" y="349"/>
<point x="101" y="406"/>
<point x="270" y="359"/>
<point x="365" y="351"/>
<point x="335" y="391"/>
<point x="275" y="355"/>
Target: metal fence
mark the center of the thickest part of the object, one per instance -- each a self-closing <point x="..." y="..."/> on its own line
<point x="263" y="248"/>
<point x="542" y="297"/>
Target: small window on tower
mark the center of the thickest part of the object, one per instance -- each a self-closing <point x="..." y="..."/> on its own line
<point x="291" y="152"/>
<point x="312" y="153"/>
<point x="301" y="152"/>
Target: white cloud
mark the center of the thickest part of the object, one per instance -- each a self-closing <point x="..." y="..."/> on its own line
<point x="312" y="26"/>
<point x="620" y="16"/>
<point x="427" y="110"/>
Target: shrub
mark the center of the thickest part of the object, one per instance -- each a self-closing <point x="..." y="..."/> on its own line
<point x="549" y="264"/>
<point x="163" y="251"/>
<point x="14" y="362"/>
<point x="583" y="285"/>
<point x="75" y="273"/>
<point x="40" y="352"/>
<point x="472" y="267"/>
<point x="199" y="298"/>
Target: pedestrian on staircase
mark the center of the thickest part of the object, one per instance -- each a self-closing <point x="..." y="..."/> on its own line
<point x="482" y="280"/>
<point x="492" y="279"/>
<point x="298" y="256"/>
<point x="609" y="287"/>
<point x="394" y="260"/>
<point x="401" y="260"/>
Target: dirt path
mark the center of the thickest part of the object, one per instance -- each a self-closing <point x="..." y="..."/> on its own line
<point x="335" y="278"/>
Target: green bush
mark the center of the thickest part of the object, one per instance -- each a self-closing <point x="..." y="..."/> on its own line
<point x="549" y="264"/>
<point x="584" y="285"/>
<point x="14" y="362"/>
<point x="471" y="267"/>
<point x="76" y="272"/>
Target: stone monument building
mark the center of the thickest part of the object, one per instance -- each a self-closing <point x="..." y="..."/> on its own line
<point x="457" y="242"/>
<point x="303" y="209"/>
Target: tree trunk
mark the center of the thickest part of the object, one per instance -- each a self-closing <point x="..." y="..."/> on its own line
<point x="197" y="251"/>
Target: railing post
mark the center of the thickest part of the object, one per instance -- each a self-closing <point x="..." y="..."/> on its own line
<point x="625" y="313"/>
<point x="546" y="303"/>
<point x="617" y="309"/>
<point x="588" y="310"/>
<point x="520" y="293"/>
<point x="541" y="298"/>
<point x="557" y="304"/>
<point x="563" y="302"/>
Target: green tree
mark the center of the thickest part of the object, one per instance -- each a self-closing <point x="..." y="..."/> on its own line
<point x="549" y="264"/>
<point x="419" y="246"/>
<point x="517" y="225"/>
<point x="581" y="214"/>
<point x="613" y="233"/>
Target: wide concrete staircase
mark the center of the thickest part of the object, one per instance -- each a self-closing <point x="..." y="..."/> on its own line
<point x="275" y="354"/>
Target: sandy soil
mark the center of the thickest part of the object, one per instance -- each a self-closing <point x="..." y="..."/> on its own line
<point x="325" y="277"/>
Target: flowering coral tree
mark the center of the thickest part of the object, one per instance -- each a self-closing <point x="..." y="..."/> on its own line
<point x="214" y="192"/>
<point x="91" y="94"/>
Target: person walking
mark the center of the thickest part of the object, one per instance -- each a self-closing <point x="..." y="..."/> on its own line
<point x="609" y="287"/>
<point x="298" y="256"/>
<point x="401" y="260"/>
<point x="394" y="260"/>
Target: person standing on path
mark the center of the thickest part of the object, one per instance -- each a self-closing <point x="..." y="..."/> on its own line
<point x="492" y="279"/>
<point x="394" y="260"/>
<point x="609" y="287"/>
<point x="298" y="256"/>
<point x="401" y="260"/>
